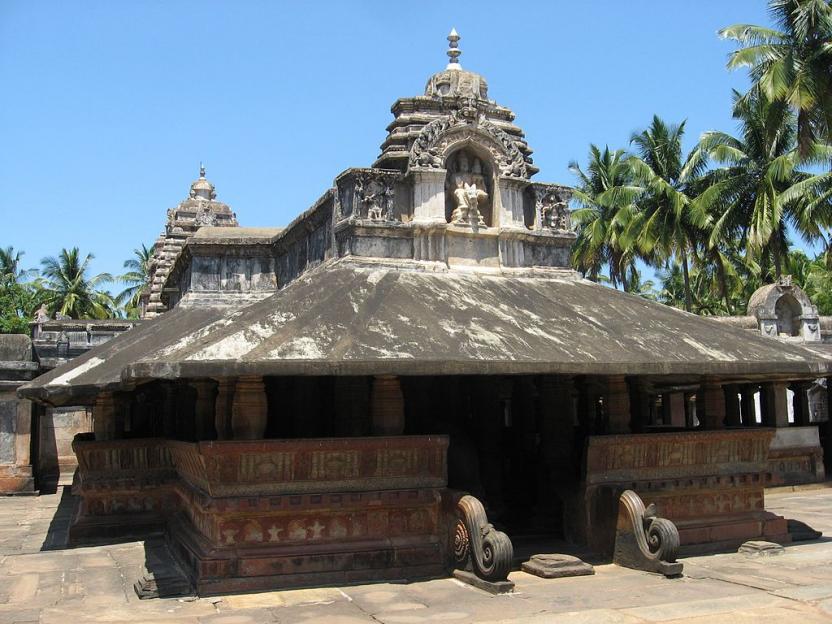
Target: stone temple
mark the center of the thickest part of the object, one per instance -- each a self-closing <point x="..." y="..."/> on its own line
<point x="316" y="399"/>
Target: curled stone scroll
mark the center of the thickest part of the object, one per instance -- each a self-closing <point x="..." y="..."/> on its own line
<point x="643" y="541"/>
<point x="479" y="548"/>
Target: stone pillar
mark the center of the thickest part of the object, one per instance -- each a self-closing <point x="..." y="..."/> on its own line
<point x="712" y="404"/>
<point x="387" y="406"/>
<point x="776" y="412"/>
<point x="732" y="406"/>
<point x="587" y="406"/>
<point x="676" y="403"/>
<point x="511" y="210"/>
<point x="204" y="410"/>
<point x="352" y="406"/>
<point x="104" y="416"/>
<point x="249" y="409"/>
<point x="802" y="416"/>
<point x="222" y="408"/>
<point x="749" y="408"/>
<point x="617" y="397"/>
<point x="640" y="397"/>
<point x="168" y="417"/>
<point x="429" y="196"/>
<point x="557" y="426"/>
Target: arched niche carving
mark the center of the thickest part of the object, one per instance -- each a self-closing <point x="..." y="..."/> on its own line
<point x="469" y="186"/>
<point x="788" y="312"/>
<point x="442" y="137"/>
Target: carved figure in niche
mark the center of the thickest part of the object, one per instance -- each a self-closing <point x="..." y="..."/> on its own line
<point x="553" y="212"/>
<point x="205" y="217"/>
<point x="375" y="197"/>
<point x="468" y="188"/>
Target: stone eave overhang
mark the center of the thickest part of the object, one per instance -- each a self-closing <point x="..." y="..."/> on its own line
<point x="726" y="372"/>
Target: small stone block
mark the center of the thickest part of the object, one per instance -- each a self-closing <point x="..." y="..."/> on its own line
<point x="556" y="566"/>
<point x="757" y="548"/>
<point x="499" y="587"/>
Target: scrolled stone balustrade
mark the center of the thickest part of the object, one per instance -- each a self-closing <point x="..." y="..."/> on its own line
<point x="478" y="546"/>
<point x="644" y="541"/>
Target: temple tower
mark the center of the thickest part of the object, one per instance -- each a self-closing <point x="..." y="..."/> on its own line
<point x="201" y="208"/>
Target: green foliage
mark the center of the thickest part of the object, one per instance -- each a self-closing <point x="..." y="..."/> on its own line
<point x="791" y="63"/>
<point x="71" y="291"/>
<point x="136" y="278"/>
<point x="715" y="223"/>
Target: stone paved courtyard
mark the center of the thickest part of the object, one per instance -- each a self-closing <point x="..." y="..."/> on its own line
<point x="41" y="581"/>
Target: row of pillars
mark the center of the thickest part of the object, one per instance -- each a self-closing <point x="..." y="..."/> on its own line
<point x="718" y="405"/>
<point x="237" y="409"/>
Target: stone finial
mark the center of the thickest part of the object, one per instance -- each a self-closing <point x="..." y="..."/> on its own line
<point x="453" y="50"/>
<point x="201" y="170"/>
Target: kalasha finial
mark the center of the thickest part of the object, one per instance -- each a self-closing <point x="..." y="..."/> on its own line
<point x="453" y="50"/>
<point x="201" y="170"/>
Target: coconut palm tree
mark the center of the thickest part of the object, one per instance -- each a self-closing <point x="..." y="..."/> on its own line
<point x="10" y="271"/>
<point x="792" y="63"/>
<point x="759" y="189"/>
<point x="71" y="291"/>
<point x="135" y="278"/>
<point x="662" y="224"/>
<point x="598" y="217"/>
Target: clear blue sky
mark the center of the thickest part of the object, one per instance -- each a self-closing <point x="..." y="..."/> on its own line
<point x="108" y="107"/>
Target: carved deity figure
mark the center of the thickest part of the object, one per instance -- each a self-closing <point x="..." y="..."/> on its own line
<point x="42" y="314"/>
<point x="375" y="196"/>
<point x="468" y="192"/>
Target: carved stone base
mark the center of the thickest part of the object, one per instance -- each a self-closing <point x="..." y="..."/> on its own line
<point x="493" y="587"/>
<point x="220" y="570"/>
<point x="556" y="566"/>
<point x="643" y="541"/>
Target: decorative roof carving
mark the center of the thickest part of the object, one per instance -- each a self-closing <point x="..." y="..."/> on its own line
<point x="439" y="138"/>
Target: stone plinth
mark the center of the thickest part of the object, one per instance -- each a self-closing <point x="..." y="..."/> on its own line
<point x="251" y="515"/>
<point x="709" y="483"/>
<point x="126" y="488"/>
<point x="796" y="456"/>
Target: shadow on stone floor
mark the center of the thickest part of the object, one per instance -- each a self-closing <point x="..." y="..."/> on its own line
<point x="57" y="535"/>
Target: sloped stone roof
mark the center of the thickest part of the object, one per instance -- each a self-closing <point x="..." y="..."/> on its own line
<point x="351" y="318"/>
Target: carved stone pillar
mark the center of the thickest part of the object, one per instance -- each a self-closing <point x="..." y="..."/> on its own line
<point x="204" y="411"/>
<point x="222" y="408"/>
<point x="249" y="409"/>
<point x="387" y="406"/>
<point x="511" y="213"/>
<point x="732" y="406"/>
<point x="618" y="404"/>
<point x="802" y="417"/>
<point x="748" y="406"/>
<point x="713" y="404"/>
<point x="104" y="416"/>
<point x="776" y="412"/>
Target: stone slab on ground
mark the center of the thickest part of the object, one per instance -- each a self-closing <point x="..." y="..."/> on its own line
<point x="552" y="565"/>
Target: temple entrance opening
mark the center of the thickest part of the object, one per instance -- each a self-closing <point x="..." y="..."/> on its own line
<point x="788" y="313"/>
